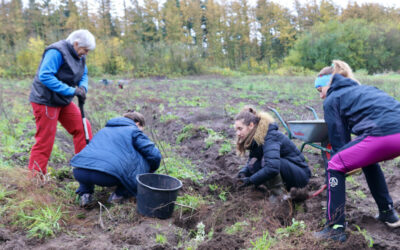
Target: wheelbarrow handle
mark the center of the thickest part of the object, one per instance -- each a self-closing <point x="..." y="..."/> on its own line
<point x="325" y="186"/>
<point x="84" y="121"/>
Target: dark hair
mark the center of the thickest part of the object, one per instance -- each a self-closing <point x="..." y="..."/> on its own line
<point x="248" y="115"/>
<point x="136" y="117"/>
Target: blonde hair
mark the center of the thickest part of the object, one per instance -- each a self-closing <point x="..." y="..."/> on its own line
<point x="339" y="67"/>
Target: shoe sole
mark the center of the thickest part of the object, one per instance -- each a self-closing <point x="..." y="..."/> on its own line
<point x="394" y="225"/>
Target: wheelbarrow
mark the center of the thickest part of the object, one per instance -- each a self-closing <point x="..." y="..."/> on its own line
<point x="312" y="132"/>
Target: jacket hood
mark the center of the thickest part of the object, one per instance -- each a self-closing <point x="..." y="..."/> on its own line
<point x="262" y="128"/>
<point x="339" y="81"/>
<point x="120" y="121"/>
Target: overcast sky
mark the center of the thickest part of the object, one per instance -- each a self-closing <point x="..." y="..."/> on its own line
<point x="342" y="3"/>
<point x="118" y="4"/>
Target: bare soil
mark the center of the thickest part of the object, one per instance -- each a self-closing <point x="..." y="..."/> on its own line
<point x="126" y="229"/>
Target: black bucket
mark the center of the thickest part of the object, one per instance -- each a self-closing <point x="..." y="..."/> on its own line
<point x="156" y="195"/>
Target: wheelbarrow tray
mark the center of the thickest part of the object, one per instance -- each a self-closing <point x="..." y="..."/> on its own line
<point x="309" y="130"/>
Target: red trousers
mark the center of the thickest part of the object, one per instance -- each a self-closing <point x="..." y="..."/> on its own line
<point x="46" y="126"/>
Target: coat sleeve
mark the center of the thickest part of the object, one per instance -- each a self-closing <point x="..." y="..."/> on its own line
<point x="338" y="131"/>
<point x="245" y="169"/>
<point x="272" y="161"/>
<point x="147" y="149"/>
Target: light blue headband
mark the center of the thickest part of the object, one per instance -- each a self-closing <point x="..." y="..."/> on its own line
<point x="322" y="81"/>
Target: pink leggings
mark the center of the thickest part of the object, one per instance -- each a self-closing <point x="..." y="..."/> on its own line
<point x="362" y="153"/>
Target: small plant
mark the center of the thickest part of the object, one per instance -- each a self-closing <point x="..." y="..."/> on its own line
<point x="200" y="236"/>
<point x="168" y="117"/>
<point x="189" y="202"/>
<point x="4" y="193"/>
<point x="367" y="237"/>
<point x="297" y="229"/>
<point x="186" y="133"/>
<point x="212" y="138"/>
<point x="43" y="222"/>
<point x="264" y="242"/>
<point x="222" y="195"/>
<point x="161" y="239"/>
<point x="225" y="148"/>
<point x="213" y="187"/>
<point x="237" y="227"/>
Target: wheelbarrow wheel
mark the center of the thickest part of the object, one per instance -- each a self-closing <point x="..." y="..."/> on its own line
<point x="326" y="156"/>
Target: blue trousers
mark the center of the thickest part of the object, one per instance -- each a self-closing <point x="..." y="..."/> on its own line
<point x="293" y="175"/>
<point x="88" y="178"/>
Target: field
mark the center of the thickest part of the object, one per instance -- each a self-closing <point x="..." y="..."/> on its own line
<point x="191" y="120"/>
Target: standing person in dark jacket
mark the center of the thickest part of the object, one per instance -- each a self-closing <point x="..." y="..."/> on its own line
<point x="374" y="117"/>
<point x="114" y="157"/>
<point x="62" y="74"/>
<point x="273" y="156"/>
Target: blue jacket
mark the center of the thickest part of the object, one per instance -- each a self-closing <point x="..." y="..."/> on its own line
<point x="358" y="109"/>
<point x="61" y="70"/>
<point x="270" y="145"/>
<point x="122" y="150"/>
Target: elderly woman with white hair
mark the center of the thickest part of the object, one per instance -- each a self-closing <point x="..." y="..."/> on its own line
<point x="62" y="74"/>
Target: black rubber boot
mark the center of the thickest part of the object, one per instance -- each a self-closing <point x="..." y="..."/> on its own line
<point x="275" y="187"/>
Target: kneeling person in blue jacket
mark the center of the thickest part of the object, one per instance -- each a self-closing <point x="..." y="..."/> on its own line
<point x="115" y="155"/>
<point x="274" y="160"/>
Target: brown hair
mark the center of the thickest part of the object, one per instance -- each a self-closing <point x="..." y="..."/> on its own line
<point x="136" y="117"/>
<point x="248" y="115"/>
<point x="338" y="67"/>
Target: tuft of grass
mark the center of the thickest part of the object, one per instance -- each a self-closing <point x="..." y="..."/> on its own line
<point x="296" y="229"/>
<point x="264" y="242"/>
<point x="41" y="222"/>
<point x="237" y="227"/>
<point x="4" y="193"/>
<point x="190" y="202"/>
<point x="161" y="239"/>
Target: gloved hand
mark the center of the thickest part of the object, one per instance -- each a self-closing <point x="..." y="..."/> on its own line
<point x="241" y="175"/>
<point x="246" y="182"/>
<point x="80" y="92"/>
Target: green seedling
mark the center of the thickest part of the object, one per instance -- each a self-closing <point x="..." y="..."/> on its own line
<point x="212" y="138"/>
<point x="161" y="239"/>
<point x="237" y="227"/>
<point x="168" y="117"/>
<point x="225" y="148"/>
<point x="367" y="237"/>
<point x="213" y="187"/>
<point x="264" y="242"/>
<point x="297" y="228"/>
<point x="222" y="195"/>
<point x="189" y="202"/>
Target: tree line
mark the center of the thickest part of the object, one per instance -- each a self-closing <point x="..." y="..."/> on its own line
<point x="182" y="37"/>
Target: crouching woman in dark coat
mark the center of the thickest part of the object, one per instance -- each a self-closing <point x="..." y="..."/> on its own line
<point x="116" y="154"/>
<point x="273" y="160"/>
